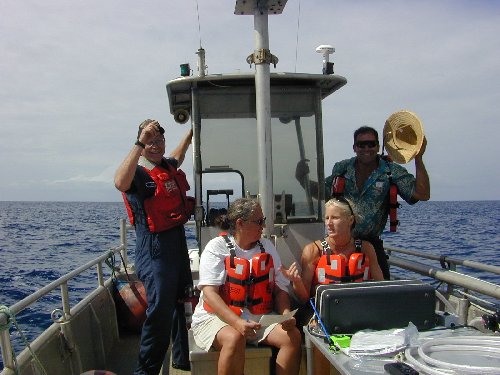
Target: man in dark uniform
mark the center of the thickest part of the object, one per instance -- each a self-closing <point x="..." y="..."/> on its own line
<point x="155" y="193"/>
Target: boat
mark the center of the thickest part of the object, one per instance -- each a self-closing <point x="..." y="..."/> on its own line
<point x="249" y="132"/>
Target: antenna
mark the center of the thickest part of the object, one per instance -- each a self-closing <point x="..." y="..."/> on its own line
<point x="201" y="62"/>
<point x="326" y="50"/>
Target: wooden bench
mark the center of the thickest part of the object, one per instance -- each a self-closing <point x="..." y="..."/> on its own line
<point x="257" y="359"/>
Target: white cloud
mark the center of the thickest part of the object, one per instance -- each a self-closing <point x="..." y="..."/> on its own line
<point x="106" y="177"/>
<point x="77" y="77"/>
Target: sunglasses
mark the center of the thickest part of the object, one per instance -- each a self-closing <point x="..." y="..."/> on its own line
<point x="260" y="222"/>
<point x="345" y="201"/>
<point x="157" y="142"/>
<point x="366" y="144"/>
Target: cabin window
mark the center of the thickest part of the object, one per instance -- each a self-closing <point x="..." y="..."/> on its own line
<point x="229" y="152"/>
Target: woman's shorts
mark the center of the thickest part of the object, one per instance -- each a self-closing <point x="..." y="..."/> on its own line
<point x="205" y="332"/>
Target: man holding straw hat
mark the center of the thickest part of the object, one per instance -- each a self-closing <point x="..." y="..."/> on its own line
<point x="366" y="179"/>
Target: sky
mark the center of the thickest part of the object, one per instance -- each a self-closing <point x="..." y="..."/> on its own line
<point x="77" y="77"/>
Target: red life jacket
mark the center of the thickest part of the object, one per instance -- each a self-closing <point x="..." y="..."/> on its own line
<point x="169" y="206"/>
<point x="393" y="206"/>
<point x="338" y="186"/>
<point x="334" y="268"/>
<point x="249" y="283"/>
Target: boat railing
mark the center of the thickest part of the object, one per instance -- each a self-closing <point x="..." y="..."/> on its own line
<point x="450" y="261"/>
<point x="447" y="271"/>
<point x="62" y="283"/>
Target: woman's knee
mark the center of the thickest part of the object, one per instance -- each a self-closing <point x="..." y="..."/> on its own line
<point x="291" y="338"/>
<point x="281" y="338"/>
<point x="229" y="339"/>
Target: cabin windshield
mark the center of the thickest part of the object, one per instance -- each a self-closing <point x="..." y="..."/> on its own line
<point x="229" y="157"/>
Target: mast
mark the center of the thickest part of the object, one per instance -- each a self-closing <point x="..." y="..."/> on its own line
<point x="262" y="57"/>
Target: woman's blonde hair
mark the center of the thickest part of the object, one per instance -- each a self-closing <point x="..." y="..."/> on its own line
<point x="346" y="205"/>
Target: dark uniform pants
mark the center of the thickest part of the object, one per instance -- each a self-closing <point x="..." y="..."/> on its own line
<point x="162" y="264"/>
<point x="378" y="244"/>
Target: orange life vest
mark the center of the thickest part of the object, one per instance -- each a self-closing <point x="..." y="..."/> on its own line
<point x="169" y="206"/>
<point x="249" y="283"/>
<point x="334" y="268"/>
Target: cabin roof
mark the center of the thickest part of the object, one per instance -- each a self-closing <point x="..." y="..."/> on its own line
<point x="179" y="89"/>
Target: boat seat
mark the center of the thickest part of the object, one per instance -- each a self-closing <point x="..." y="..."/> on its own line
<point x="257" y="359"/>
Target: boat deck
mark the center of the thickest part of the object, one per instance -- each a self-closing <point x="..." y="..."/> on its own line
<point x="124" y="356"/>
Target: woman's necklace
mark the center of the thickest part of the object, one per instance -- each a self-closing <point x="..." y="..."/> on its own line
<point x="341" y="248"/>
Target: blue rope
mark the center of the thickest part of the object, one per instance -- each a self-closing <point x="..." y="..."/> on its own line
<point x="327" y="335"/>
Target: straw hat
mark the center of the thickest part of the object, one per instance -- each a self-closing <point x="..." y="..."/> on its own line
<point x="403" y="136"/>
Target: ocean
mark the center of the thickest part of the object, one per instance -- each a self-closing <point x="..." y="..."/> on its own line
<point x="41" y="241"/>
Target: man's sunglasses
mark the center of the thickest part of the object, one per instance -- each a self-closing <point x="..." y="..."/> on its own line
<point x="365" y="144"/>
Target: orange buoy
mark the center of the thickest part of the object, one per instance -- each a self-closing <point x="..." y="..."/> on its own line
<point x="131" y="304"/>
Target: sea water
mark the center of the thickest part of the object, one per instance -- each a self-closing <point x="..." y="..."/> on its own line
<point x="41" y="241"/>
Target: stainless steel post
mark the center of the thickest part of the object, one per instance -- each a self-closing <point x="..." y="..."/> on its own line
<point x="263" y="111"/>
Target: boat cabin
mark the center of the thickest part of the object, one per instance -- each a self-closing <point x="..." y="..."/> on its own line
<point x="228" y="148"/>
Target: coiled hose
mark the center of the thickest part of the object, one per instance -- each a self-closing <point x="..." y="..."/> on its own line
<point x="480" y="346"/>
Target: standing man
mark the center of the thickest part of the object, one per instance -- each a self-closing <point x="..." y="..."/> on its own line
<point x="367" y="182"/>
<point x="155" y="197"/>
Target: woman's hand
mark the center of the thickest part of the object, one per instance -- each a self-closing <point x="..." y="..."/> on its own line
<point x="289" y="324"/>
<point x="247" y="328"/>
<point x="292" y="273"/>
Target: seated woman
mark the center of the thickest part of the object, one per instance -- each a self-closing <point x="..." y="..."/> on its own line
<point x="226" y="318"/>
<point x="337" y="258"/>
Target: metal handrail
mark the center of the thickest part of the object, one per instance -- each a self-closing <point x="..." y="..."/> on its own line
<point x="448" y="259"/>
<point x="25" y="302"/>
<point x="62" y="282"/>
<point x="448" y="276"/>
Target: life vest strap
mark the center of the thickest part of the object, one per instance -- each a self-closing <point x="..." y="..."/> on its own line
<point x="326" y="251"/>
<point x="326" y="247"/>
<point x="357" y="244"/>
<point x="229" y="243"/>
<point x="232" y="250"/>
<point x="344" y="279"/>
<point x="354" y="277"/>
<point x="234" y="280"/>
<point x="255" y="301"/>
<point x="393" y="224"/>
<point x="262" y="250"/>
<point x="256" y="280"/>
<point x="238" y="303"/>
<point x="393" y="204"/>
<point x="338" y="186"/>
